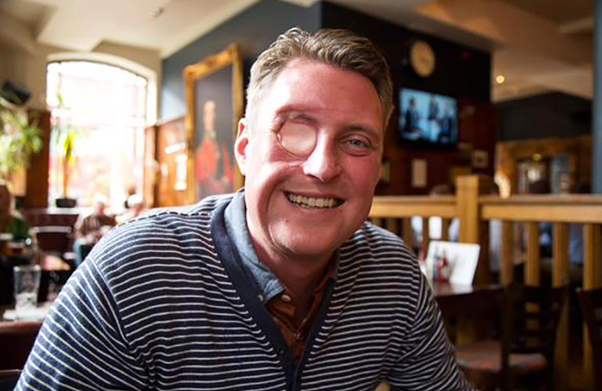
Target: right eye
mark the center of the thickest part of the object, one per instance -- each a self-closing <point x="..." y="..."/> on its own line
<point x="297" y="138"/>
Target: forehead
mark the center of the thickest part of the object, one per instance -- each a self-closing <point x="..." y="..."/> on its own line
<point x="311" y="86"/>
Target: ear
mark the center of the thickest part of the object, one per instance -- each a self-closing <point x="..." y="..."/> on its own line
<point x="241" y="145"/>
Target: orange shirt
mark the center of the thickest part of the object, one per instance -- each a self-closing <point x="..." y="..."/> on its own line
<point x="292" y="319"/>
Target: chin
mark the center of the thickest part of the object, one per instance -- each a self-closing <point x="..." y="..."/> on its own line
<point x="308" y="242"/>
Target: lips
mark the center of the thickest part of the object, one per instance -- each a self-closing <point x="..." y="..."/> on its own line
<point x="313" y="202"/>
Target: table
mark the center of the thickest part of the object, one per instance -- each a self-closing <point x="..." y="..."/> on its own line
<point x="455" y="297"/>
<point x="17" y="339"/>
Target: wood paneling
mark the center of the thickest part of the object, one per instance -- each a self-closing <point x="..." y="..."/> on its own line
<point x="36" y="191"/>
<point x="171" y="148"/>
<point x="579" y="150"/>
<point x="151" y="167"/>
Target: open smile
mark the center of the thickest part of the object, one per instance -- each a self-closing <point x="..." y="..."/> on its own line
<point x="313" y="202"/>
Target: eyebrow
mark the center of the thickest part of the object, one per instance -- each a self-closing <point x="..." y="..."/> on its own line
<point x="302" y="116"/>
<point x="285" y="113"/>
<point x="295" y="114"/>
<point x="366" y="129"/>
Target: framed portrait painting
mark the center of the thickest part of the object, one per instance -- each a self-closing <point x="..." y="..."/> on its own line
<point x="214" y="91"/>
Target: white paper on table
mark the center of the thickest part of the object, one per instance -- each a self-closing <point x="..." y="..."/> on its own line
<point x="462" y="258"/>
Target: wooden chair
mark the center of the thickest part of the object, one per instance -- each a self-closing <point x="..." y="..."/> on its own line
<point x="524" y="354"/>
<point x="591" y="306"/>
<point x="16" y="339"/>
<point x="55" y="240"/>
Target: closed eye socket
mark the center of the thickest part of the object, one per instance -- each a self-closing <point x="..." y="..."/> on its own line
<point x="298" y="138"/>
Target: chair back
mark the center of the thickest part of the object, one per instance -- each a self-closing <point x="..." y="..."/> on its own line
<point x="591" y="306"/>
<point x="53" y="238"/>
<point x="530" y="322"/>
<point x="18" y="339"/>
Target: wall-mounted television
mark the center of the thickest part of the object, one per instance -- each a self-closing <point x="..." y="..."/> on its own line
<point x="427" y="119"/>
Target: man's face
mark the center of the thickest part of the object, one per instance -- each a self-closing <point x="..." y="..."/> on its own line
<point x="311" y="157"/>
<point x="99" y="208"/>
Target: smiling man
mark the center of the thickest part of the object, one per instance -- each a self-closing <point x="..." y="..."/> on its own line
<point x="281" y="286"/>
<point x="311" y="156"/>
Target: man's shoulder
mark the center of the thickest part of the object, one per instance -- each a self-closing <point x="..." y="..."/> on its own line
<point x="377" y="245"/>
<point x="369" y="234"/>
<point x="175" y="230"/>
<point x="168" y="216"/>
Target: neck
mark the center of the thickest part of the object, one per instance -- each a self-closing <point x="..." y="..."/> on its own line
<point x="300" y="276"/>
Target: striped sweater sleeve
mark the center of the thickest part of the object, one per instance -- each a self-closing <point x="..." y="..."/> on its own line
<point x="429" y="363"/>
<point x="81" y="345"/>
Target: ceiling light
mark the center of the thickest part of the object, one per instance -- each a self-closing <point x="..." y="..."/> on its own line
<point x="156" y="13"/>
<point x="500" y="79"/>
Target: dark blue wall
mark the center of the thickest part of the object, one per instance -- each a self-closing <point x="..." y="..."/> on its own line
<point x="460" y="71"/>
<point x="548" y="115"/>
<point x="253" y="29"/>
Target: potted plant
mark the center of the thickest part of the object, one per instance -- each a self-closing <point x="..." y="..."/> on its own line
<point x="66" y="139"/>
<point x="19" y="140"/>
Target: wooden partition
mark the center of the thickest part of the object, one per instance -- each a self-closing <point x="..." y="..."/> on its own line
<point x="395" y="214"/>
<point x="474" y="212"/>
<point x="585" y="211"/>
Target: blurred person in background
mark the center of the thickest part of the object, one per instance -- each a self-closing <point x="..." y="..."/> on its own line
<point x="576" y="253"/>
<point x="135" y="206"/>
<point x="90" y="229"/>
<point x="542" y="186"/>
<point x="11" y="222"/>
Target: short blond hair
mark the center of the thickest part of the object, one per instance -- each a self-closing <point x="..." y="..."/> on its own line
<point x="339" y="48"/>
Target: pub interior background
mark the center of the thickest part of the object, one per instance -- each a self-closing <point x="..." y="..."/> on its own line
<point x="109" y="77"/>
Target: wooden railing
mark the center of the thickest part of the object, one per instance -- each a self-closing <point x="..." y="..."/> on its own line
<point x="474" y="211"/>
<point x="395" y="214"/>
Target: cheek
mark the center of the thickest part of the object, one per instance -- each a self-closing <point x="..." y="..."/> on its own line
<point x="267" y="170"/>
<point x="270" y="157"/>
<point x="365" y="174"/>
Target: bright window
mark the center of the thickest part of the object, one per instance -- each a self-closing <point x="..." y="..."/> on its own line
<point x="104" y="107"/>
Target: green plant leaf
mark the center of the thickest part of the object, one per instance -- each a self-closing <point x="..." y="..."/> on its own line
<point x="19" y="140"/>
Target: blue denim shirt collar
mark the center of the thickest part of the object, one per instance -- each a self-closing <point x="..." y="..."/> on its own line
<point x="236" y="226"/>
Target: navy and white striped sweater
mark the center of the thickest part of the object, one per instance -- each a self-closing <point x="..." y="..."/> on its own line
<point x="163" y="304"/>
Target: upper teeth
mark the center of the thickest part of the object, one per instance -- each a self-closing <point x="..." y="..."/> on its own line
<point x="311" y="201"/>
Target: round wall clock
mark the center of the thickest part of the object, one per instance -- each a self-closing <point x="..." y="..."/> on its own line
<point x="422" y="58"/>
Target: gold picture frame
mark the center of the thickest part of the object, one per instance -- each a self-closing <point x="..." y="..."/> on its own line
<point x="214" y="94"/>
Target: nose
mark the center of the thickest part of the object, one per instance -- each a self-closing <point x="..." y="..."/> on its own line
<point x="323" y="162"/>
